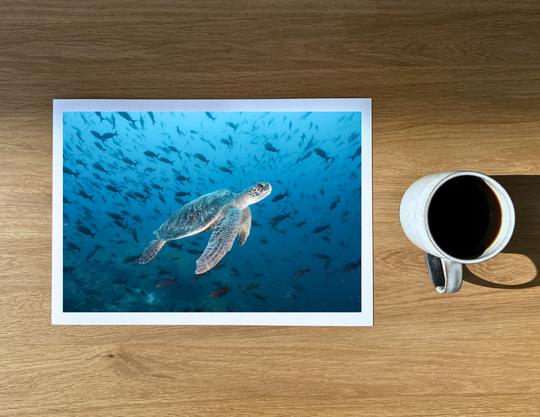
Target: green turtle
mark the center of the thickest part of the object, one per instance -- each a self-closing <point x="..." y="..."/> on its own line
<point x="224" y="212"/>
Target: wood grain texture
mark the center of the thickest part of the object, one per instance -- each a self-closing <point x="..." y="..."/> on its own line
<point x="455" y="86"/>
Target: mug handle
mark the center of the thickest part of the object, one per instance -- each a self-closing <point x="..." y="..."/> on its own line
<point x="446" y="276"/>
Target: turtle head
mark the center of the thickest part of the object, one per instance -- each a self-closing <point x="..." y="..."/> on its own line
<point x="256" y="193"/>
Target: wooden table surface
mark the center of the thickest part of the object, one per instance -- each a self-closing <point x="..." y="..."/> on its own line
<point x="455" y="86"/>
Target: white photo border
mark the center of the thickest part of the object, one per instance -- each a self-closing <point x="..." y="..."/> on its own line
<point x="363" y="318"/>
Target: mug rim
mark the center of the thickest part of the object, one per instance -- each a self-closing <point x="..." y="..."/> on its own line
<point x="495" y="186"/>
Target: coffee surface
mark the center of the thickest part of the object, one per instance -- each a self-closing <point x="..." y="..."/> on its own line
<point x="464" y="217"/>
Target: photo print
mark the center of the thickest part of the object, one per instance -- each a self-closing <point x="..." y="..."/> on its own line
<point x="212" y="212"/>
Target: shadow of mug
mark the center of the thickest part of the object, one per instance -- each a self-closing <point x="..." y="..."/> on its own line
<point x="524" y="190"/>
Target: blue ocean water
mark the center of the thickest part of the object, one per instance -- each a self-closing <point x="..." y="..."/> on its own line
<point x="125" y="174"/>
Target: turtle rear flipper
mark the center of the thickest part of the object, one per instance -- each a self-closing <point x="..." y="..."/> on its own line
<point x="221" y="240"/>
<point x="151" y="250"/>
<point x="245" y="226"/>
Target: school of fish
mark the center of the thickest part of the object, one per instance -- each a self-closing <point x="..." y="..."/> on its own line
<point x="126" y="173"/>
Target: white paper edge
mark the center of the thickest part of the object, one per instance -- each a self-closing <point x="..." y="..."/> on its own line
<point x="364" y="318"/>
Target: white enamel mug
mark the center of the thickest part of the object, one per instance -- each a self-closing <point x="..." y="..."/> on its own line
<point x="446" y="270"/>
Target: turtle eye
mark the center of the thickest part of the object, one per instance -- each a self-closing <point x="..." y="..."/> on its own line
<point x="260" y="186"/>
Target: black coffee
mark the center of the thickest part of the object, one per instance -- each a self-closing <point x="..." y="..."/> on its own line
<point x="464" y="217"/>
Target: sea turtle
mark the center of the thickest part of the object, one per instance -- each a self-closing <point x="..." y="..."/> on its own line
<point x="224" y="212"/>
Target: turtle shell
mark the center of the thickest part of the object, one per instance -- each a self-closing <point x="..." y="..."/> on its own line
<point x="195" y="216"/>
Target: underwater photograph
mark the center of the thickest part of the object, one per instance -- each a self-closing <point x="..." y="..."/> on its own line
<point x="212" y="212"/>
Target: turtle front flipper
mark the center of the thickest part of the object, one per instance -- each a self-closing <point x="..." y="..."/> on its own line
<point x="221" y="240"/>
<point x="151" y="250"/>
<point x="245" y="226"/>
